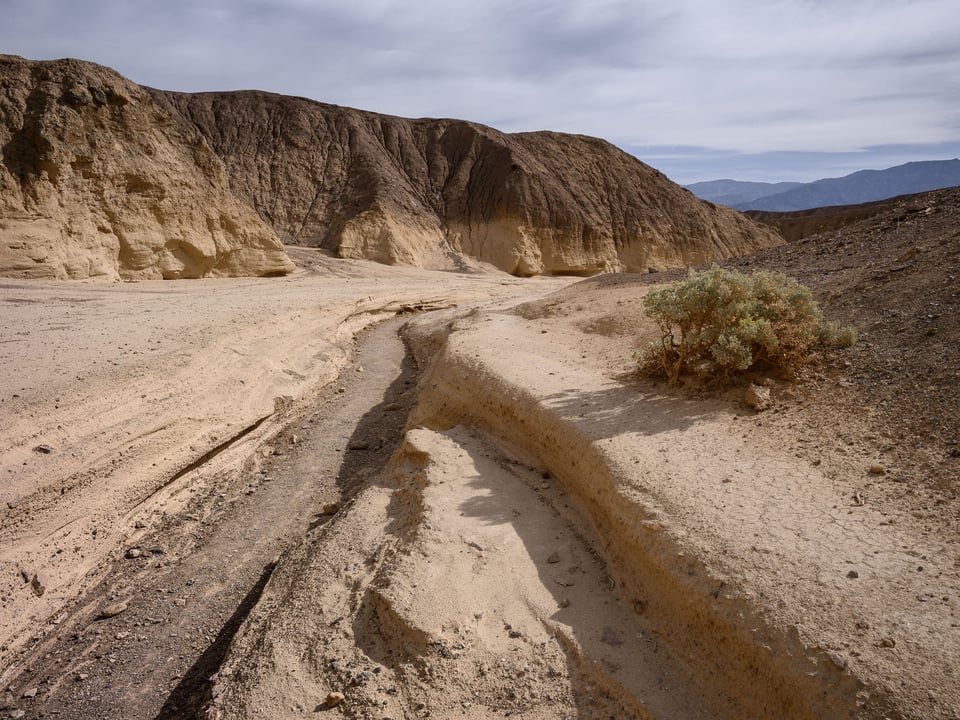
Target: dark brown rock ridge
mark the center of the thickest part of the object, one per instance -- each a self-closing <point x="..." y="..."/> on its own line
<point x="96" y="180"/>
<point x="432" y="192"/>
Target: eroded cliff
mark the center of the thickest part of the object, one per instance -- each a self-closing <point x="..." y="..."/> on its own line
<point x="103" y="177"/>
<point x="425" y="192"/>
<point x="97" y="181"/>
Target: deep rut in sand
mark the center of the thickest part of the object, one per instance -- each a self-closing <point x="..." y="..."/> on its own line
<point x="195" y="578"/>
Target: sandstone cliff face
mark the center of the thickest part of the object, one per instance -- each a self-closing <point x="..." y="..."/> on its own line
<point x="427" y="192"/>
<point x="101" y="177"/>
<point x="97" y="181"/>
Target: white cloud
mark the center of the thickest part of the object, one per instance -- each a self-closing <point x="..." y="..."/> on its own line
<point x="739" y="75"/>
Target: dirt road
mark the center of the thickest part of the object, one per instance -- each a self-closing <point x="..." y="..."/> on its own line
<point x="197" y="576"/>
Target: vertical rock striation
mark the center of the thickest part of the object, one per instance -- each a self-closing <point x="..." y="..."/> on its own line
<point x="102" y="177"/>
<point x="427" y="192"/>
<point x="97" y="181"/>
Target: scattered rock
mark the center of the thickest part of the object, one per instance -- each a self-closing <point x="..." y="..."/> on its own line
<point x="554" y="558"/>
<point x="14" y="502"/>
<point x="43" y="449"/>
<point x="564" y="602"/>
<point x="133" y="553"/>
<point x="877" y="470"/>
<point x="515" y="634"/>
<point x="80" y="677"/>
<point x="29" y="694"/>
<point x="838" y="660"/>
<point x="359" y="445"/>
<point x="16" y="714"/>
<point x="334" y="699"/>
<point x="392" y="407"/>
<point x="38" y="585"/>
<point x="887" y="642"/>
<point x="112" y="610"/>
<point x="757" y="397"/>
<point x="853" y="574"/>
<point x="331" y="508"/>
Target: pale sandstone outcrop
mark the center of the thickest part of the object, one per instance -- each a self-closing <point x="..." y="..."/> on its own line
<point x="96" y="181"/>
<point x="425" y="191"/>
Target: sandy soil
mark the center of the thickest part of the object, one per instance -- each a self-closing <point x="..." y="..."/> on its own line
<point x="544" y="536"/>
<point x="112" y="395"/>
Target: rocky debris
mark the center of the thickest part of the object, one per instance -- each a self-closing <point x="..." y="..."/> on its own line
<point x="157" y="204"/>
<point x="133" y="553"/>
<point x="892" y="271"/>
<point x="43" y="449"/>
<point x="757" y="397"/>
<point x="877" y="470"/>
<point x="38" y="584"/>
<point x="334" y="699"/>
<point x="111" y="610"/>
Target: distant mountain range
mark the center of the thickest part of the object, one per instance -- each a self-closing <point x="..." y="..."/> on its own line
<point x="859" y="187"/>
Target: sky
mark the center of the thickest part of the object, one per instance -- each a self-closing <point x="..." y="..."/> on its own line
<point x="761" y="90"/>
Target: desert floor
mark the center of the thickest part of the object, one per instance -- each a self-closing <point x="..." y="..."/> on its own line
<point x="251" y="498"/>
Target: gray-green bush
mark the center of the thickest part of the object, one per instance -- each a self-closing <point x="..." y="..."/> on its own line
<point x="721" y="322"/>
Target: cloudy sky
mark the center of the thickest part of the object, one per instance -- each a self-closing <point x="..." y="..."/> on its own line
<point x="701" y="89"/>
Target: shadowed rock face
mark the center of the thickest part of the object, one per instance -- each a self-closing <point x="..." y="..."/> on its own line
<point x="97" y="181"/>
<point x="425" y="192"/>
<point x="102" y="177"/>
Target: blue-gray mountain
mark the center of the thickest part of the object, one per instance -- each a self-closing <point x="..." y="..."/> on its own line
<point x="859" y="187"/>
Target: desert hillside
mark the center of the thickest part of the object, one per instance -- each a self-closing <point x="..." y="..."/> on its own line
<point x="96" y="181"/>
<point x="102" y="177"/>
<point x="418" y="191"/>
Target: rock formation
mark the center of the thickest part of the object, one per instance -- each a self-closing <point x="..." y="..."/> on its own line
<point x="102" y="177"/>
<point x="96" y="181"/>
<point x="423" y="192"/>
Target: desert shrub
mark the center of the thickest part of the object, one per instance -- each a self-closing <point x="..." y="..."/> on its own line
<point x="721" y="322"/>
